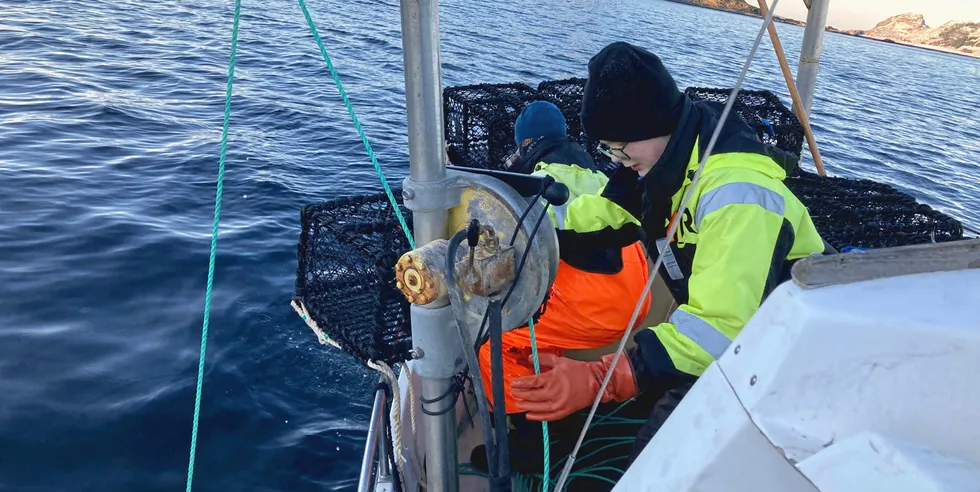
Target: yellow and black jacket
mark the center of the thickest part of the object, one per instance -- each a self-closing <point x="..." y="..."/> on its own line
<point x="736" y="241"/>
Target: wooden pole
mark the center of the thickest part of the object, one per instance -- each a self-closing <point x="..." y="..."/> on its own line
<point x="797" y="104"/>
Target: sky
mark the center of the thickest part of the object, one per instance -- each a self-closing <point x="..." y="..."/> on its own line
<point x="864" y="14"/>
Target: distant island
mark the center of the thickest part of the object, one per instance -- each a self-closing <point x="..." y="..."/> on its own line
<point x="957" y="37"/>
<point x="738" y="7"/>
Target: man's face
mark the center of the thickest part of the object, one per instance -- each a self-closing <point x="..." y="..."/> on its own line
<point x="639" y="156"/>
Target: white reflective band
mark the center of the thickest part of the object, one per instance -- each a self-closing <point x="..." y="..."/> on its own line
<point x="738" y="193"/>
<point x="670" y="261"/>
<point x="560" y="216"/>
<point x="698" y="330"/>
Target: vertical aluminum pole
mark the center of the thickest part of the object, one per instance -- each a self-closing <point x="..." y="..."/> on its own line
<point x="806" y="75"/>
<point x="426" y="148"/>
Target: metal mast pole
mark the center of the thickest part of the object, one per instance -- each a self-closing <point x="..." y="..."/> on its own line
<point x="433" y="332"/>
<point x="806" y="75"/>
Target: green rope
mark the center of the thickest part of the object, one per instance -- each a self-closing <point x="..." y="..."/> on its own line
<point x="603" y="420"/>
<point x="546" y="482"/>
<point x="609" y="415"/>
<point x="357" y="124"/>
<point x="616" y="441"/>
<point x="214" y="243"/>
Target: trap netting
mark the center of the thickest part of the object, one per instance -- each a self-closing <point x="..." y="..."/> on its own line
<point x="867" y="214"/>
<point x="762" y="110"/>
<point x="345" y="276"/>
<point x="480" y="118"/>
<point x="479" y="122"/>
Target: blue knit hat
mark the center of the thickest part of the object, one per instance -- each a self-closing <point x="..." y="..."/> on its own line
<point x="539" y="119"/>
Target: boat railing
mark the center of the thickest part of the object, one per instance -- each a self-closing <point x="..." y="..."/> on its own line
<point x="371" y="448"/>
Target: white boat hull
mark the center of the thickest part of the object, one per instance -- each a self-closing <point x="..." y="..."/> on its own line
<point x="860" y="386"/>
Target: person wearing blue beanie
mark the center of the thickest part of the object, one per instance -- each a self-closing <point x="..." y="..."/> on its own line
<point x="541" y="135"/>
<point x="540" y="119"/>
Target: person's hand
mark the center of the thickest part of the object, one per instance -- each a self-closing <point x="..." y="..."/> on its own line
<point x="569" y="385"/>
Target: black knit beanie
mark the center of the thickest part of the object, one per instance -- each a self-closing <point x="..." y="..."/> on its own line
<point x="629" y="96"/>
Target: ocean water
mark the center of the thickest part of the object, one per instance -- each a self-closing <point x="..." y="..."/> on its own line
<point x="110" y="117"/>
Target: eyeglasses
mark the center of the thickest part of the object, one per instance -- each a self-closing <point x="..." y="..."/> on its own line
<point x="614" y="152"/>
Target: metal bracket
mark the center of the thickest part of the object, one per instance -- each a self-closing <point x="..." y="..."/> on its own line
<point x="433" y="196"/>
<point x="434" y="334"/>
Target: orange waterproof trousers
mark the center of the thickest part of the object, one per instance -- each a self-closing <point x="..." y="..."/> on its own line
<point x="586" y="310"/>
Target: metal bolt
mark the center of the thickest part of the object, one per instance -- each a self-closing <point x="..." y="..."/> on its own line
<point x="752" y="381"/>
<point x="416" y="353"/>
<point x="408" y="194"/>
<point x="738" y="348"/>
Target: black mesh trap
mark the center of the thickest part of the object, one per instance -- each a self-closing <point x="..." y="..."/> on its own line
<point x="479" y="122"/>
<point x="345" y="276"/>
<point x="567" y="95"/>
<point x="764" y="112"/>
<point x="480" y="118"/>
<point x="867" y="214"/>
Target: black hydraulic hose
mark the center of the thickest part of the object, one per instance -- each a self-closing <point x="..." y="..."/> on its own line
<point x="544" y="187"/>
<point x="527" y="252"/>
<point x="456" y="303"/>
<point x="499" y="408"/>
<point x="481" y="333"/>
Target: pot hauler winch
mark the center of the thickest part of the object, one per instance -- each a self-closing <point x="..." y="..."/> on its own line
<point x="495" y="272"/>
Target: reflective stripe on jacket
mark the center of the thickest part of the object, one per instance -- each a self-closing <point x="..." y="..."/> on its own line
<point x="736" y="241"/>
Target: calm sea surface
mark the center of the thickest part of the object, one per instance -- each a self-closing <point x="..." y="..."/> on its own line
<point x="110" y="116"/>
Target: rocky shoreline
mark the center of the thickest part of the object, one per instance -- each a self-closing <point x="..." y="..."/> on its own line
<point x="737" y="7"/>
<point x="954" y="37"/>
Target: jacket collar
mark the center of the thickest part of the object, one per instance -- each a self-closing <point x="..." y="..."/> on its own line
<point x="667" y="175"/>
<point x="554" y="149"/>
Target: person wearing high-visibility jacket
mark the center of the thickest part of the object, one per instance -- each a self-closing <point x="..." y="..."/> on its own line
<point x="737" y="239"/>
<point x="602" y="269"/>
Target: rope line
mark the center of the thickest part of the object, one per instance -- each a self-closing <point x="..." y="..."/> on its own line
<point x="357" y="123"/>
<point x="546" y="481"/>
<point x="396" y="415"/>
<point x="411" y="412"/>
<point x="214" y="244"/>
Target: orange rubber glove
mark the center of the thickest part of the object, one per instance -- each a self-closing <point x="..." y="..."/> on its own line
<point x="566" y="386"/>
